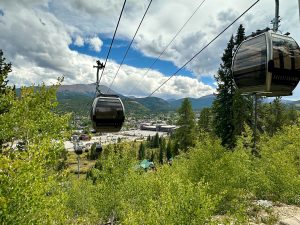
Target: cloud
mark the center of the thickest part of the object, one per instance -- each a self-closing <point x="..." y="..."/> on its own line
<point x="95" y="43"/>
<point x="79" y="41"/>
<point x="131" y="81"/>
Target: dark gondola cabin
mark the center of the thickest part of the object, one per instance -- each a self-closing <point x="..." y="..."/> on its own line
<point x="107" y="113"/>
<point x="268" y="63"/>
<point x="98" y="148"/>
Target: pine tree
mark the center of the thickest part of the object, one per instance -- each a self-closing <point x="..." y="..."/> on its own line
<point x="152" y="156"/>
<point x="169" y="150"/>
<point x="204" y="122"/>
<point x="5" y="68"/>
<point x="162" y="149"/>
<point x="156" y="141"/>
<point x="186" y="133"/>
<point x="274" y="120"/>
<point x="175" y="149"/>
<point x="141" y="154"/>
<point x="222" y="106"/>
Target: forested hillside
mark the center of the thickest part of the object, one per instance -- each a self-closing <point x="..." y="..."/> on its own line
<point x="78" y="99"/>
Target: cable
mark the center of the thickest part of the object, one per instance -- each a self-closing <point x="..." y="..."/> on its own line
<point x="129" y="46"/>
<point x="169" y="44"/>
<point x="112" y="40"/>
<point x="204" y="48"/>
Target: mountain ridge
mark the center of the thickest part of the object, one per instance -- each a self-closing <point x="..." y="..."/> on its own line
<point x="79" y="97"/>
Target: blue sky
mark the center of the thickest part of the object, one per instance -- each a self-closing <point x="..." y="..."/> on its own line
<point x="134" y="57"/>
<point x="44" y="39"/>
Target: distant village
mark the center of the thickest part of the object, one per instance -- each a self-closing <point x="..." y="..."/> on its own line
<point x="133" y="130"/>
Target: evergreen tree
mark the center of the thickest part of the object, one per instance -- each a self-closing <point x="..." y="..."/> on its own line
<point x="240" y="36"/>
<point x="5" y="102"/>
<point x="204" y="122"/>
<point x="222" y="106"/>
<point x="141" y="154"/>
<point x="5" y="68"/>
<point x="186" y="133"/>
<point x="155" y="141"/>
<point x="152" y="156"/>
<point x="242" y="112"/>
<point x="274" y="119"/>
<point x="162" y="149"/>
<point x="169" y="150"/>
<point x="291" y="115"/>
<point x="175" y="149"/>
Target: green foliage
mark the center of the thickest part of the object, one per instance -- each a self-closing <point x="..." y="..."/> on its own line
<point x="31" y="189"/>
<point x="186" y="133"/>
<point x="175" y="149"/>
<point x="94" y="153"/>
<point x="31" y="116"/>
<point x="155" y="141"/>
<point x="274" y="116"/>
<point x="5" y="68"/>
<point x="169" y="150"/>
<point x="205" y="120"/>
<point x="242" y="112"/>
<point x="161" y="197"/>
<point x="237" y="177"/>
<point x="141" y="153"/>
<point x="222" y="106"/>
<point x="277" y="171"/>
<point x="162" y="149"/>
<point x="31" y="192"/>
<point x="5" y="91"/>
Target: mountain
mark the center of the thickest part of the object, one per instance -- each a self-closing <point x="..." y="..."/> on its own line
<point x="295" y="103"/>
<point x="78" y="98"/>
<point x="84" y="89"/>
<point x="155" y="104"/>
<point x="197" y="103"/>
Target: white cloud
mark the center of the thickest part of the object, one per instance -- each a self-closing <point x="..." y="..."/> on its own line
<point x="131" y="81"/>
<point x="95" y="43"/>
<point x="79" y="41"/>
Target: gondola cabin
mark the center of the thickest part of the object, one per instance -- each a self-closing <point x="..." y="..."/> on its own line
<point x="98" y="148"/>
<point x="267" y="63"/>
<point x="107" y="113"/>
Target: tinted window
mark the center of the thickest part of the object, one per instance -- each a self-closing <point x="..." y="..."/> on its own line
<point x="251" y="54"/>
<point x="286" y="53"/>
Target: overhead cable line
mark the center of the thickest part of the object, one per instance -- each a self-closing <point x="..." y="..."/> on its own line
<point x="129" y="46"/>
<point x="98" y="81"/>
<point x="169" y="44"/>
<point x="204" y="48"/>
